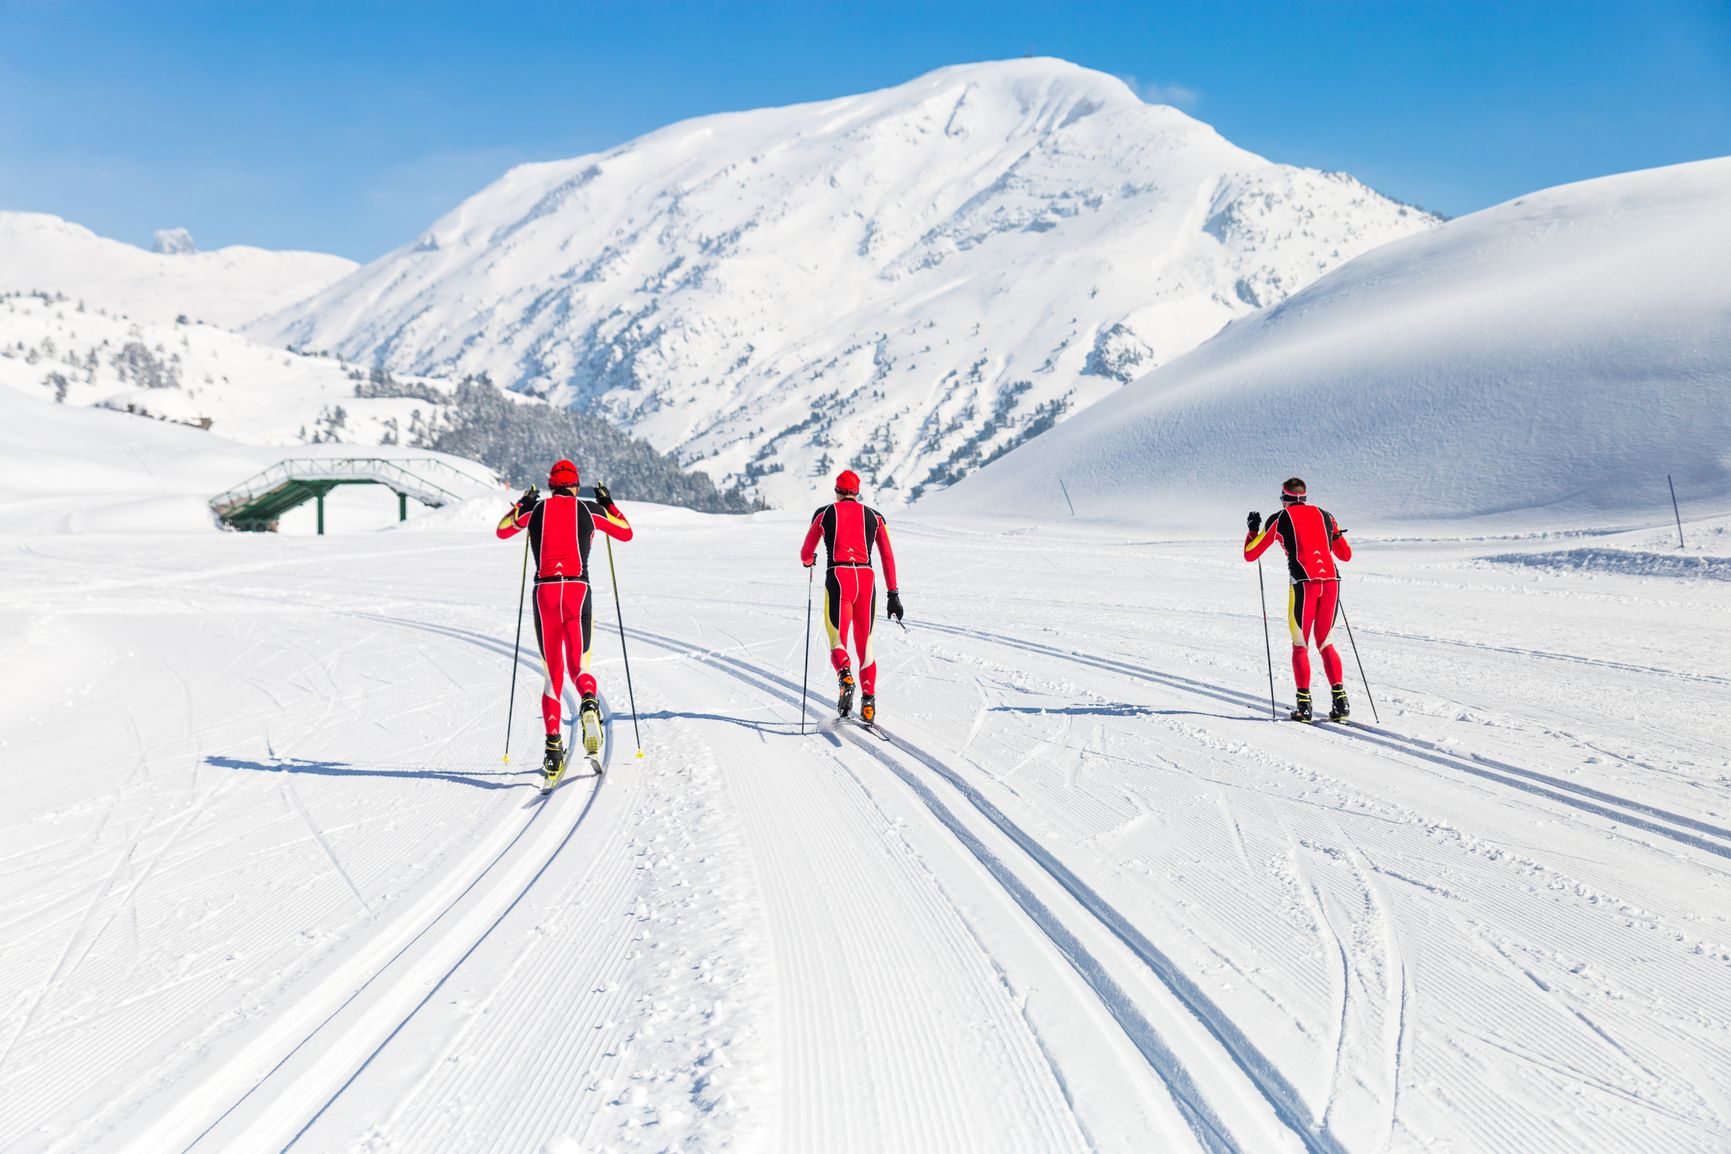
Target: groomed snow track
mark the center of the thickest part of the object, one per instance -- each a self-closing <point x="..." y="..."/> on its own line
<point x="305" y="1061"/>
<point x="1174" y="1069"/>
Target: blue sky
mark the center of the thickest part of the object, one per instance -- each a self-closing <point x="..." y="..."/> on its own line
<point x="347" y="127"/>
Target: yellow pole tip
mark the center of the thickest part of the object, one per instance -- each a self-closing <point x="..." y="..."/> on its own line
<point x="640" y="753"/>
<point x="507" y="757"/>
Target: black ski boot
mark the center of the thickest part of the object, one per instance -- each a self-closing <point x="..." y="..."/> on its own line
<point x="868" y="708"/>
<point x="590" y="715"/>
<point x="553" y="763"/>
<point x="1340" y="710"/>
<point x="1302" y="713"/>
<point x="844" y="704"/>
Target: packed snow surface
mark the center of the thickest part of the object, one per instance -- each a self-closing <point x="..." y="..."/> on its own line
<point x="1547" y="360"/>
<point x="266" y="881"/>
<point x="906" y="281"/>
<point x="228" y="286"/>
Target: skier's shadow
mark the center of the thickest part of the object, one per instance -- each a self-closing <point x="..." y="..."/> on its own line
<point x="1117" y="709"/>
<point x="774" y="728"/>
<point x="480" y="779"/>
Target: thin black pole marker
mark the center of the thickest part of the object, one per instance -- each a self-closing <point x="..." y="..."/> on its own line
<point x="517" y="645"/>
<point x="1674" y="511"/>
<point x="1066" y="491"/>
<point x="1267" y="646"/>
<point x="619" y="615"/>
<point x="1355" y="657"/>
<point x="810" y="575"/>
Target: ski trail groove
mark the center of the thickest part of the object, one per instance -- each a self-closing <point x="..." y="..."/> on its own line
<point x="1288" y="1105"/>
<point x="517" y="896"/>
<point x="188" y="1124"/>
<point x="1711" y="838"/>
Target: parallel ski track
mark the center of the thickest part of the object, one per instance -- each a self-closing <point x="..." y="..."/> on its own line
<point x="1283" y="1098"/>
<point x="360" y="1054"/>
<point x="1682" y="828"/>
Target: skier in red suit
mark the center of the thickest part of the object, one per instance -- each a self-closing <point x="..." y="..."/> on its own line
<point x="850" y="531"/>
<point x="1312" y="541"/>
<point x="561" y="527"/>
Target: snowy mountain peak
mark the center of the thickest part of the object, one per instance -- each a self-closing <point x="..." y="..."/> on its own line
<point x="226" y="286"/>
<point x="908" y="281"/>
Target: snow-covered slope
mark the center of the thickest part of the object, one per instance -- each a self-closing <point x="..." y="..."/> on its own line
<point x="1557" y="354"/>
<point x="70" y="469"/>
<point x="905" y="281"/>
<point x="265" y="871"/>
<point x="197" y="374"/>
<point x="228" y="286"/>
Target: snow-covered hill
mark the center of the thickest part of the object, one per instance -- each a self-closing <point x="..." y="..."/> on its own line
<point x="1549" y="357"/>
<point x="228" y="286"/>
<point x="82" y="354"/>
<point x="906" y="281"/>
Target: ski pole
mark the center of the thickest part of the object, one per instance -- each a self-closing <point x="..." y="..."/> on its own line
<point x="619" y="615"/>
<point x="1267" y="646"/>
<point x="516" y="647"/>
<point x="1355" y="658"/>
<point x="810" y="574"/>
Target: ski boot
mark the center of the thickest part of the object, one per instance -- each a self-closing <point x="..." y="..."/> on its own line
<point x="1302" y="713"/>
<point x="553" y="763"/>
<point x="844" y="703"/>
<point x="590" y="713"/>
<point x="1340" y="710"/>
<point x="868" y="708"/>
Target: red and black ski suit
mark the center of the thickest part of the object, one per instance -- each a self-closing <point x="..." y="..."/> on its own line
<point x="850" y="531"/>
<point x="1312" y="541"/>
<point x="560" y="529"/>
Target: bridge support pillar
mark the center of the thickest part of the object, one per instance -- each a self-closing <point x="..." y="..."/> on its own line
<point x="321" y="503"/>
<point x="402" y="506"/>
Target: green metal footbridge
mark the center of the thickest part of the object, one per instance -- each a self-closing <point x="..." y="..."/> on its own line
<point x="258" y="503"/>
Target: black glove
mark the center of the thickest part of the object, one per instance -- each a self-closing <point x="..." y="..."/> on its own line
<point x="1254" y="520"/>
<point x="527" y="501"/>
<point x="603" y="496"/>
<point x="895" y="606"/>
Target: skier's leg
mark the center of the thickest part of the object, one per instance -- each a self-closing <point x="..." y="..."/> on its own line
<point x="584" y="637"/>
<point x="1327" y="605"/>
<point x="832" y="619"/>
<point x="865" y="611"/>
<point x="550" y="635"/>
<point x="847" y="592"/>
<point x="582" y="634"/>
<point x="1299" y="626"/>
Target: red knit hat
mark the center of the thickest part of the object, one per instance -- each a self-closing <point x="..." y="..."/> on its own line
<point x="847" y="481"/>
<point x="562" y="473"/>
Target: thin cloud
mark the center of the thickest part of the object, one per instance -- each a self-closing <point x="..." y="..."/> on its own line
<point x="1166" y="92"/>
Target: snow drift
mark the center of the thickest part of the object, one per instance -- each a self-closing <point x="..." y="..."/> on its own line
<point x="1546" y="358"/>
<point x="228" y="286"/>
<point x="907" y="281"/>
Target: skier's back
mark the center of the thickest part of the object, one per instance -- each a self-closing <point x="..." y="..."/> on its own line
<point x="850" y="532"/>
<point x="1313" y="542"/>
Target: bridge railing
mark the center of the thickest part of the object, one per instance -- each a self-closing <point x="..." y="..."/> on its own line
<point x="407" y="475"/>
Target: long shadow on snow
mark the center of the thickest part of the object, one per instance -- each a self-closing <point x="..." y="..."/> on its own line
<point x="341" y="769"/>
